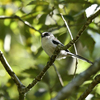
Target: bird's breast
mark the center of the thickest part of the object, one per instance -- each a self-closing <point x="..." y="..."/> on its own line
<point x="48" y="46"/>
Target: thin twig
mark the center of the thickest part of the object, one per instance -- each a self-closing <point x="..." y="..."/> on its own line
<point x="9" y="70"/>
<point x="69" y="33"/>
<point x="58" y="74"/>
<point x="42" y="73"/>
<point x="73" y="44"/>
<point x="19" y="18"/>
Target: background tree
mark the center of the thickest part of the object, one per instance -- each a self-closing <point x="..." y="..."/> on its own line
<point x="20" y="43"/>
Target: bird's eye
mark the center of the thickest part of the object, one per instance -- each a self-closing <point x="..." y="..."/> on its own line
<point x="46" y="34"/>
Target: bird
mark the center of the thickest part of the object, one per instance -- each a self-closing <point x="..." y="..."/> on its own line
<point x="49" y="44"/>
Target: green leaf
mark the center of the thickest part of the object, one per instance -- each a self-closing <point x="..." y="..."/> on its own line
<point x="42" y="19"/>
<point x="87" y="41"/>
<point x="32" y="72"/>
<point x="69" y="17"/>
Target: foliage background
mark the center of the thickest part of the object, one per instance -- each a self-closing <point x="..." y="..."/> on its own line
<point x="21" y="45"/>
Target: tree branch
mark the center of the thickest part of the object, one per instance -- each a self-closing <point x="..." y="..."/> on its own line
<point x="90" y="87"/>
<point x="89" y="20"/>
<point x="19" y="18"/>
<point x="59" y="76"/>
<point x="9" y="70"/>
<point x="73" y="44"/>
<point x="7" y="67"/>
<point x="42" y="73"/>
<point x="76" y="82"/>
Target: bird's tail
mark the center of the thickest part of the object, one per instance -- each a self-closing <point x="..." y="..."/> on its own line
<point x="80" y="57"/>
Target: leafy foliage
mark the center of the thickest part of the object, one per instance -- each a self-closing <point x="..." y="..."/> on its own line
<point x="22" y="47"/>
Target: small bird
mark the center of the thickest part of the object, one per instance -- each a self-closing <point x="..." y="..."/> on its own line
<point x="49" y="43"/>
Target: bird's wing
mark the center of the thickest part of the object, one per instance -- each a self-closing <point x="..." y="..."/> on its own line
<point x="56" y="42"/>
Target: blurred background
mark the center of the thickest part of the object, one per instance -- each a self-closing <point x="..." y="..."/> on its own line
<point x="21" y="45"/>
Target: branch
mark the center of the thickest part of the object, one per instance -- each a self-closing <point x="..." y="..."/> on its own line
<point x="7" y="67"/>
<point x="42" y="73"/>
<point x="72" y="85"/>
<point x="89" y="20"/>
<point x="59" y="76"/>
<point x="9" y="70"/>
<point x="21" y="88"/>
<point x="52" y="59"/>
<point x="19" y="18"/>
<point x="76" y="82"/>
<point x="90" y="87"/>
<point x="69" y="33"/>
<point x="73" y="44"/>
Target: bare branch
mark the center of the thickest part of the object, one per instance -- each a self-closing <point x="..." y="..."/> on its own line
<point x="19" y="18"/>
<point x="58" y="74"/>
<point x="7" y="67"/>
<point x="69" y="33"/>
<point x="89" y="20"/>
<point x="90" y="87"/>
<point x="42" y="73"/>
<point x="9" y="70"/>
<point x="73" y="44"/>
<point x="76" y="82"/>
